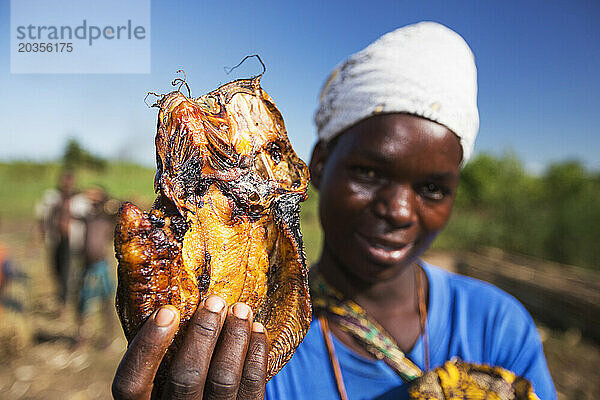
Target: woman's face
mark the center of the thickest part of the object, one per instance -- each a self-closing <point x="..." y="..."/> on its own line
<point x="386" y="190"/>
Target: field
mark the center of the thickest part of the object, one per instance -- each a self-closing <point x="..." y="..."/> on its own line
<point x="37" y="346"/>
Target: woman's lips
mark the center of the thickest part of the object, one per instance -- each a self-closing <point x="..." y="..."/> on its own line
<point x="385" y="251"/>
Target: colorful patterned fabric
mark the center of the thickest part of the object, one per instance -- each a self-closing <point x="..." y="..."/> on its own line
<point x="453" y="380"/>
<point x="354" y="320"/>
<point x="96" y="282"/>
<point x="460" y="380"/>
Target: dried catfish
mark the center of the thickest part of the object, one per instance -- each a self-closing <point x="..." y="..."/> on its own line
<point x="225" y="221"/>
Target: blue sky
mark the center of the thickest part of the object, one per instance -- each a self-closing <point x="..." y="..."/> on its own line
<point x="538" y="63"/>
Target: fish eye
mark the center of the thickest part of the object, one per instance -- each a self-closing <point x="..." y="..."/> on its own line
<point x="244" y="161"/>
<point x="274" y="150"/>
<point x="254" y="197"/>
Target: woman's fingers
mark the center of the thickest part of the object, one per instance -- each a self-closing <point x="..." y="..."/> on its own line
<point x="225" y="372"/>
<point x="254" y="374"/>
<point x="190" y="366"/>
<point x="135" y="374"/>
<point x="223" y="355"/>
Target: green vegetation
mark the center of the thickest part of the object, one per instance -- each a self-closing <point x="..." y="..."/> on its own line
<point x="555" y="216"/>
<point x="76" y="157"/>
<point x="24" y="183"/>
<point x="311" y="227"/>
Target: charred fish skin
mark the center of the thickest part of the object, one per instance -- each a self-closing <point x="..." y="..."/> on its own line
<point x="149" y="264"/>
<point x="226" y="219"/>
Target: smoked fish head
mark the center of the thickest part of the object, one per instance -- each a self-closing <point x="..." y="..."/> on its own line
<point x="225" y="220"/>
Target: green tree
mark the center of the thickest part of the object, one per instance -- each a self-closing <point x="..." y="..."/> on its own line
<point x="75" y="156"/>
<point x="555" y="216"/>
<point x="496" y="203"/>
<point x="574" y="227"/>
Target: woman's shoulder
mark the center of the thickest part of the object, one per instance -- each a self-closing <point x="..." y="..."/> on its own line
<point x="474" y="295"/>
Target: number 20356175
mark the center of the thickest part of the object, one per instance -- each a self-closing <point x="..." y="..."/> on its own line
<point x="35" y="47"/>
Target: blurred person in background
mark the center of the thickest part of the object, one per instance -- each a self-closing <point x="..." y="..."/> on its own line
<point x="59" y="214"/>
<point x="15" y="330"/>
<point x="9" y="270"/>
<point x="96" y="283"/>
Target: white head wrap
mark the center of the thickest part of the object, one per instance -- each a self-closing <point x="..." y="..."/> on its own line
<point x="423" y="69"/>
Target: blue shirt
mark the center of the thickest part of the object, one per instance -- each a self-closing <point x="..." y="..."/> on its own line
<point x="467" y="318"/>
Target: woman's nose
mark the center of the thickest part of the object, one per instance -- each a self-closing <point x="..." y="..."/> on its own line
<point x="396" y="204"/>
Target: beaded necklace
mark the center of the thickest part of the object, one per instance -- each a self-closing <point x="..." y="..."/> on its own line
<point x="328" y="302"/>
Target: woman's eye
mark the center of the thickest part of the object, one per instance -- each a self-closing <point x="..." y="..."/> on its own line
<point x="365" y="173"/>
<point x="433" y="191"/>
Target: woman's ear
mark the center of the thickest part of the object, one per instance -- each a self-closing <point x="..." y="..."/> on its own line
<point x="317" y="163"/>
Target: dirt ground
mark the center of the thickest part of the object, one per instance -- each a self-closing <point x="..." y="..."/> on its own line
<point x="41" y="358"/>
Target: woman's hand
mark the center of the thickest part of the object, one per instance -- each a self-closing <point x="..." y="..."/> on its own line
<point x="223" y="355"/>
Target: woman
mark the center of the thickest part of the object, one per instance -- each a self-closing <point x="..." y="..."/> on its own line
<point x="396" y="122"/>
